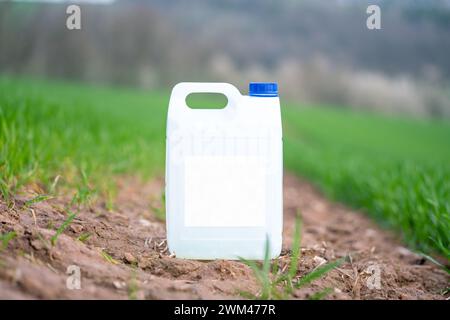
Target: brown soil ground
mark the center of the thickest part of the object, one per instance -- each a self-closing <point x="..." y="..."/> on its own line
<point x="131" y="234"/>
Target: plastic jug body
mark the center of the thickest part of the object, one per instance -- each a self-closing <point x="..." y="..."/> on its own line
<point x="224" y="175"/>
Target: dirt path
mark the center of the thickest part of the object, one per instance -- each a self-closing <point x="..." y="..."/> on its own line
<point x="131" y="235"/>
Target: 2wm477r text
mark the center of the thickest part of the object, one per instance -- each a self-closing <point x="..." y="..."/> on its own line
<point x="227" y="309"/>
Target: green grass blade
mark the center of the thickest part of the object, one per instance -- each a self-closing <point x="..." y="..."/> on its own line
<point x="433" y="260"/>
<point x="37" y="199"/>
<point x="293" y="267"/>
<point x="108" y="258"/>
<point x="247" y="295"/>
<point x="6" y="238"/>
<point x="317" y="273"/>
<point x="321" y="294"/>
<point x="255" y="268"/>
<point x="84" y="237"/>
<point x="63" y="227"/>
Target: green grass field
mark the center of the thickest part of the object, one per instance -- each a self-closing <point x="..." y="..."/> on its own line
<point x="51" y="129"/>
<point x="397" y="170"/>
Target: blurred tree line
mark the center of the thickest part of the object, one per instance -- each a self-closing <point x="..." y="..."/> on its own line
<point x="319" y="51"/>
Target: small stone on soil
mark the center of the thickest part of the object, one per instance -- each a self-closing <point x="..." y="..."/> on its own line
<point x="37" y="244"/>
<point x="319" y="261"/>
<point x="77" y="228"/>
<point x="128" y="257"/>
<point x="119" y="284"/>
<point x="145" y="222"/>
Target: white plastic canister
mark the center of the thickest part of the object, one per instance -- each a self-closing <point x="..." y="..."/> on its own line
<point x="224" y="174"/>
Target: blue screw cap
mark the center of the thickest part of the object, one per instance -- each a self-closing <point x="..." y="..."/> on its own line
<point x="263" y="89"/>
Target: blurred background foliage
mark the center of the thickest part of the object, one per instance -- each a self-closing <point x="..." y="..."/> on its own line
<point x="319" y="51"/>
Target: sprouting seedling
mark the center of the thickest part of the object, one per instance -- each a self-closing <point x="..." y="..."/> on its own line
<point x="274" y="286"/>
<point x="321" y="294"/>
<point x="82" y="195"/>
<point x="84" y="237"/>
<point x="108" y="258"/>
<point x="52" y="188"/>
<point x="295" y="256"/>
<point x="160" y="211"/>
<point x="50" y="224"/>
<point x="84" y="192"/>
<point x="6" y="238"/>
<point x="110" y="194"/>
<point x="63" y="227"/>
<point x="443" y="247"/>
<point x="262" y="275"/>
<point x="5" y="190"/>
<point x="433" y="260"/>
<point x="318" y="273"/>
<point x="37" y="199"/>
<point x="43" y="240"/>
<point x="133" y="286"/>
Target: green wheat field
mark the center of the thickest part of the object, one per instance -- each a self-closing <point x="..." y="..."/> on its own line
<point x="395" y="169"/>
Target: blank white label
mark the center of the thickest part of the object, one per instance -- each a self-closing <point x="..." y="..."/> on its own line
<point x="224" y="191"/>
